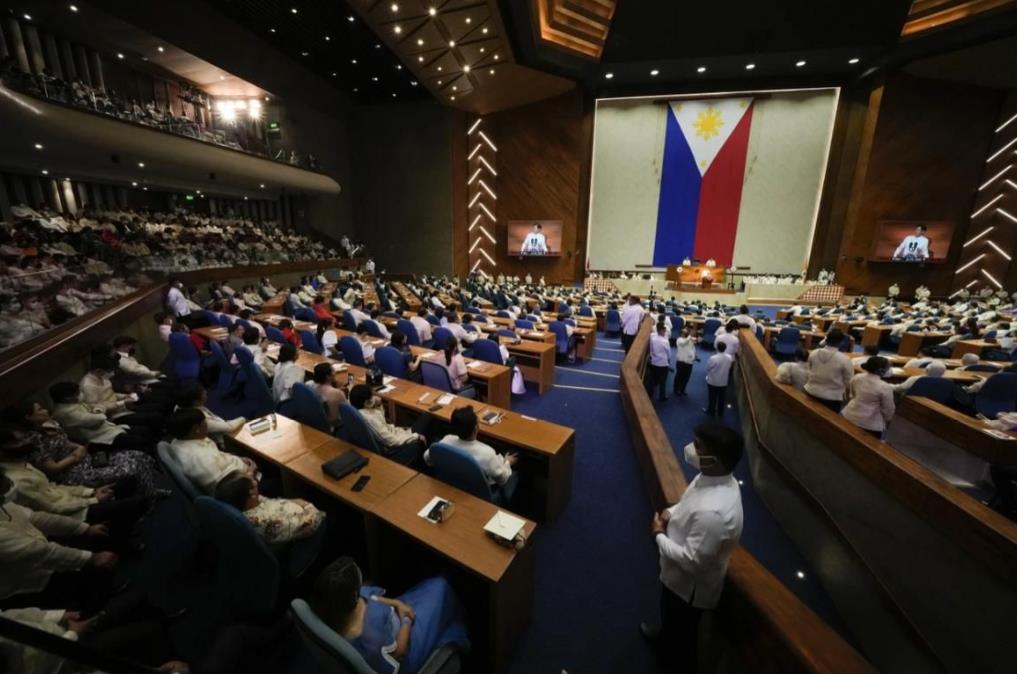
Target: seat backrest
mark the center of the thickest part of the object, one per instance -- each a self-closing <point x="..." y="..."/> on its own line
<point x="356" y="429"/>
<point x="612" y="320"/>
<point x="247" y="573"/>
<point x="305" y="314"/>
<point x="410" y="330"/>
<point x="274" y="334"/>
<point x="441" y="337"/>
<point x="353" y="353"/>
<point x="433" y="320"/>
<point x="309" y="340"/>
<point x="348" y="322"/>
<point x="176" y="472"/>
<point x="470" y="327"/>
<point x="677" y="324"/>
<point x="218" y="354"/>
<point x="939" y="389"/>
<point x="710" y="326"/>
<point x="561" y="336"/>
<point x="998" y="394"/>
<point x="332" y="652"/>
<point x="503" y="314"/>
<point x="225" y="321"/>
<point x="186" y="360"/>
<point x="455" y="467"/>
<point x="487" y="350"/>
<point x="981" y="368"/>
<point x="373" y="329"/>
<point x="788" y="335"/>
<point x="244" y="355"/>
<point x="586" y="310"/>
<point x="305" y="406"/>
<point x="391" y="361"/>
<point x="257" y="395"/>
<point x="524" y="324"/>
<point x="505" y="332"/>
<point x="435" y="376"/>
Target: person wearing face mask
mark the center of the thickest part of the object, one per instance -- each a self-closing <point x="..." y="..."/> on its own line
<point x="176" y="302"/>
<point x="199" y="458"/>
<point x="89" y="424"/>
<point x="127" y="408"/>
<point x="404" y="445"/>
<point x="695" y="539"/>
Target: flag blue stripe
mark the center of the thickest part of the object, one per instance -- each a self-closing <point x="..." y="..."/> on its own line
<point x="678" y="204"/>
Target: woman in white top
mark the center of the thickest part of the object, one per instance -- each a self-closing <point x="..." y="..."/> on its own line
<point x="795" y="372"/>
<point x="456" y="366"/>
<point x="287" y="373"/>
<point x="193" y="394"/>
<point x="871" y="406"/>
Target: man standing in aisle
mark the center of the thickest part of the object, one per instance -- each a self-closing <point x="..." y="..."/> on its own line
<point x="718" y="372"/>
<point x="695" y="539"/>
<point x="631" y="317"/>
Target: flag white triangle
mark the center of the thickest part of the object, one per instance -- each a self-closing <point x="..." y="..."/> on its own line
<point x="707" y="124"/>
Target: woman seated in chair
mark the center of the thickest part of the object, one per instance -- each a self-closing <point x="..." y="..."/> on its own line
<point x="392" y="635"/>
<point x="320" y="308"/>
<point x="277" y="520"/>
<point x="453" y="361"/>
<point x="398" y="342"/>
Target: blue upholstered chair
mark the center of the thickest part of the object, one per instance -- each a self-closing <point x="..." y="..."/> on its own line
<point x="186" y="360"/>
<point x="274" y="335"/>
<point x="787" y="341"/>
<point x="561" y="337"/>
<point x="487" y="350"/>
<point x="436" y="376"/>
<point x="305" y="314"/>
<point x="612" y="322"/>
<point x="305" y="406"/>
<point x="407" y="328"/>
<point x="524" y="324"/>
<point x="459" y="469"/>
<point x="176" y="472"/>
<point x="940" y="389"/>
<point x="309" y="341"/>
<point x="586" y="310"/>
<point x="356" y="430"/>
<point x="441" y="337"/>
<point x="710" y="327"/>
<point x="390" y="360"/>
<point x="227" y="373"/>
<point x="353" y="353"/>
<point x="373" y="329"/>
<point x="998" y="394"/>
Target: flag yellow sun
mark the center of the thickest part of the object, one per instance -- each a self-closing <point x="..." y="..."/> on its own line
<point x="708" y="123"/>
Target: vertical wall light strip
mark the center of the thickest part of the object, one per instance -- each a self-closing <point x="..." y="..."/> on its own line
<point x="474" y="127"/>
<point x="994" y="200"/>
<point x="990" y="277"/>
<point x="977" y="236"/>
<point x="477" y="187"/>
<point x="969" y="264"/>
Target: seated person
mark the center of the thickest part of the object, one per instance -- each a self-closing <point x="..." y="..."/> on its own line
<point x="191" y="394"/>
<point x="199" y="458"/>
<point x="462" y="335"/>
<point x="320" y="308"/>
<point x="382" y="330"/>
<point x="329" y="390"/>
<point x="455" y="365"/>
<point x="404" y="445"/>
<point x="127" y="408"/>
<point x="358" y="313"/>
<point x="795" y="372"/>
<point x="936" y="368"/>
<point x="422" y="325"/>
<point x="291" y="336"/>
<point x="868" y="351"/>
<point x="287" y="373"/>
<point x="497" y="468"/>
<point x="88" y="424"/>
<point x="252" y="342"/>
<point x="398" y="342"/>
<point x="365" y="343"/>
<point x="392" y="635"/>
<point x="248" y="316"/>
<point x="277" y="520"/>
<point x="68" y="462"/>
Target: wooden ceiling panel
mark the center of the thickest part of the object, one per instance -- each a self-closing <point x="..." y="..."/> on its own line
<point x="577" y="26"/>
<point x="926" y="15"/>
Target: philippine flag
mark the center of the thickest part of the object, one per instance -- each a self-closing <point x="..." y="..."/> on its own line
<point x="703" y="168"/>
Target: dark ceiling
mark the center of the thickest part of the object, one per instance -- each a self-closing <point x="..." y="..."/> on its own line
<point x="321" y="35"/>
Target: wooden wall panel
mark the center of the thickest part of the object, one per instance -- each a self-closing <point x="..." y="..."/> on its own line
<point x="544" y="154"/>
<point x="927" y="154"/>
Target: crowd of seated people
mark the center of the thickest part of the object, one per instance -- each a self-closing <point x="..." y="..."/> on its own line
<point x="149" y="113"/>
<point x="54" y="267"/>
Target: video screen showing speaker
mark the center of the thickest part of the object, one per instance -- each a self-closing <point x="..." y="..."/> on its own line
<point x="911" y="241"/>
<point x="534" y="238"/>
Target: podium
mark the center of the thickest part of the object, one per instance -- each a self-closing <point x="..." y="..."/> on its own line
<point x="692" y="276"/>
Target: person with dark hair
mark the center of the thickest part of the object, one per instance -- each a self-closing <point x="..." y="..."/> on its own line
<point x="729" y="336"/>
<point x="201" y="461"/>
<point x="364" y="339"/>
<point x="868" y="351"/>
<point x="631" y="317"/>
<point x="286" y="328"/>
<point x="871" y="406"/>
<point x="320" y="308"/>
<point x="248" y="315"/>
<point x="914" y="246"/>
<point x="660" y="362"/>
<point x="685" y="358"/>
<point x="192" y="394"/>
<point x="252" y="342"/>
<point x="287" y="373"/>
<point x="830" y="372"/>
<point x="695" y="539"/>
<point x="90" y="425"/>
<point x="164" y="323"/>
<point x="326" y="336"/>
<point x="455" y="364"/>
<point x="277" y="520"/>
<point x="404" y="445"/>
<point x="718" y="373"/>
<point x="392" y="635"/>
<point x="497" y="468"/>
<point x="795" y="372"/>
<point x="398" y="342"/>
<point x="97" y="390"/>
<point x="744" y="319"/>
<point x="422" y="325"/>
<point x="330" y="392"/>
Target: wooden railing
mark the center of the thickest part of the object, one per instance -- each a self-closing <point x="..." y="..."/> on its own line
<point x="775" y="631"/>
<point x="36" y="359"/>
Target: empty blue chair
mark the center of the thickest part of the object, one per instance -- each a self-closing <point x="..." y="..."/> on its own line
<point x="246" y="573"/>
<point x="787" y="341"/>
<point x="309" y="341"/>
<point x="353" y="353"/>
<point x="441" y="336"/>
<point x="459" y="469"/>
<point x="407" y="328"/>
<point x="390" y="360"/>
<point x="524" y="324"/>
<point x="533" y="318"/>
<point x="436" y="376"/>
<point x="373" y="329"/>
<point x="257" y="396"/>
<point x="998" y="394"/>
<point x="176" y="472"/>
<point x="503" y="314"/>
<point x="487" y="350"/>
<point x="710" y="327"/>
<point x="305" y="314"/>
<point x="612" y="322"/>
<point x="760" y="333"/>
<point x="481" y="319"/>
<point x="305" y="406"/>
<point x="186" y="359"/>
<point x="356" y="429"/>
<point x="473" y="310"/>
<point x="586" y="310"/>
<point x="227" y="373"/>
<point x="561" y="337"/>
<point x="940" y="389"/>
<point x="274" y="335"/>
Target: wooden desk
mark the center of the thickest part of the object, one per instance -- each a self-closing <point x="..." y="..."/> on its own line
<point x="810" y="338"/>
<point x="412" y="302"/>
<point x="289" y="440"/>
<point x="911" y="343"/>
<point x="873" y="335"/>
<point x="967" y="433"/>
<point x="963" y="377"/>
<point x="274" y="305"/>
<point x="506" y="576"/>
<point x="212" y="333"/>
<point x="975" y="346"/>
<point x="535" y="360"/>
<point x="274" y="320"/>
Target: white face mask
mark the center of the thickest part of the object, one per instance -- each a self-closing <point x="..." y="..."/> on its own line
<point x="690" y="455"/>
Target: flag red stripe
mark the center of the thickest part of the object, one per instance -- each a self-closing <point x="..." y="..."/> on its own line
<point x="720" y="197"/>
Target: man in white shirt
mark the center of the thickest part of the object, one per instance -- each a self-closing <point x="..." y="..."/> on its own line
<point x="685" y="357"/>
<point x="660" y="362"/>
<point x="729" y="336"/>
<point x="695" y="539"/>
<point x="718" y="372"/>
<point x="403" y="445"/>
<point x="287" y="373"/>
<point x="177" y="303"/>
<point x="423" y="327"/>
<point x="830" y="372"/>
<point x="914" y="246"/>
<point x="497" y="468"/>
<point x="535" y="243"/>
<point x="359" y="316"/>
<point x="744" y="319"/>
<point x="199" y="457"/>
<point x="631" y="317"/>
<point x="796" y="372"/>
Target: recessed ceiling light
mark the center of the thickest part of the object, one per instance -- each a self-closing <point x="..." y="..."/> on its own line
<point x="420" y="58"/>
<point x="491" y="71"/>
<point x="141" y="164"/>
<point x="413" y="83"/>
<point x="800" y="574"/>
<point x="432" y="11"/>
<point x="451" y="43"/>
<point x="38" y="146"/>
<point x="294" y="10"/>
<point x="654" y="72"/>
<point x="328" y="38"/>
<point x="354" y="61"/>
<point x="496" y="57"/>
<point x="45" y="172"/>
<point x="452" y="98"/>
<point x="455" y="88"/>
<point x="439" y="69"/>
<point x="144" y="189"/>
<point x="398" y="29"/>
<point x="854" y="60"/>
<point x="245" y="198"/>
<point x="355" y="89"/>
<point x="304" y="53"/>
<point x="134" y="183"/>
<point x="377" y="45"/>
<point x="466" y="69"/>
<point x="73" y="8"/>
<point x="701" y="69"/>
<point x="350" y="18"/>
<point x="398" y="67"/>
<point x="608" y="76"/>
<point x="28" y="17"/>
<point x="799" y="64"/>
<point x="395" y="7"/>
<point x="271" y="30"/>
<point x="393" y="94"/>
<point x="161" y="49"/>
<point x="119" y="55"/>
<point x="266" y="99"/>
<point x="482" y="50"/>
<point x="439" y="81"/>
<point x="334" y="73"/>
<point x="420" y="41"/>
<point x="469" y="20"/>
<point x="262" y="185"/>
<point x="374" y="79"/>
<point x="484" y="31"/>
<point x="750" y="66"/>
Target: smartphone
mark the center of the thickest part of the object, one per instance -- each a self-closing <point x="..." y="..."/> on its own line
<point x="361" y="482"/>
<point x="349" y="379"/>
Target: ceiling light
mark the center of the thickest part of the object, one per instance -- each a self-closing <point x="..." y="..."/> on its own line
<point x="262" y="185"/>
<point x="451" y="43"/>
<point x="354" y="61"/>
<point x="484" y="31"/>
<point x="73" y="8"/>
<point x="469" y="20"/>
<point x="398" y="29"/>
<point x="141" y="164"/>
<point x="420" y="58"/>
<point x="198" y="191"/>
<point x="432" y="11"/>
<point x="398" y="67"/>
<point x="608" y="76"/>
<point x="395" y="7"/>
<point x="701" y="69"/>
<point x="654" y="72"/>
<point x="266" y="99"/>
<point x="222" y="77"/>
<point x="491" y="71"/>
<point x="483" y="49"/>
<point x="439" y="69"/>
<point x="328" y="39"/>
<point x="466" y="69"/>
<point x="750" y="66"/>
<point x="144" y="189"/>
<point x="439" y="81"/>
<point x="420" y="41"/>
<point x="334" y="73"/>
<point x="294" y="10"/>
<point x="271" y="30"/>
<point x="799" y="64"/>
<point x="393" y="94"/>
<point x="245" y="198"/>
<point x="134" y="183"/>
<point x="38" y="146"/>
<point x="374" y="79"/>
<point x="452" y="98"/>
<point x="119" y="55"/>
<point x="161" y="49"/>
<point x="304" y="53"/>
<point x="350" y="18"/>
<point x="28" y="17"/>
<point x="854" y="60"/>
<point x="496" y="57"/>
<point x="455" y="88"/>
<point x="355" y="89"/>
<point x="377" y="45"/>
<point x="413" y="83"/>
<point x="45" y="172"/>
<point x="801" y="575"/>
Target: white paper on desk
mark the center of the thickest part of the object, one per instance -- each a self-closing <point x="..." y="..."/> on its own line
<point x="504" y="526"/>
<point x="386" y="389"/>
<point x="474" y="365"/>
<point x="1006" y="343"/>
<point x="340" y="367"/>
<point x="996" y="433"/>
<point x="536" y="334"/>
<point x="272" y="350"/>
<point x="445" y="399"/>
<point x="430" y="506"/>
<point x="386" y="380"/>
<point x="897" y="371"/>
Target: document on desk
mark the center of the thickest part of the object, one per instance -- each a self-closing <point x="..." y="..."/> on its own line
<point x="340" y="367"/>
<point x="475" y="365"/>
<point x="445" y="399"/>
<point x="504" y="526"/>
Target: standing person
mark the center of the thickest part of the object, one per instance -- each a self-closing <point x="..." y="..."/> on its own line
<point x="795" y="372"/>
<point x="695" y="539"/>
<point x="871" y="406"/>
<point x="685" y="356"/>
<point x="631" y="317"/>
<point x="176" y="302"/>
<point x="830" y="372"/>
<point x="718" y="372"/>
<point x="660" y="362"/>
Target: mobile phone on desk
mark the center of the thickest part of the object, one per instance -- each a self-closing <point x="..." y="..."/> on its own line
<point x="361" y="482"/>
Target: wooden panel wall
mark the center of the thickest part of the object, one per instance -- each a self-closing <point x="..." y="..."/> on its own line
<point x="922" y="153"/>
